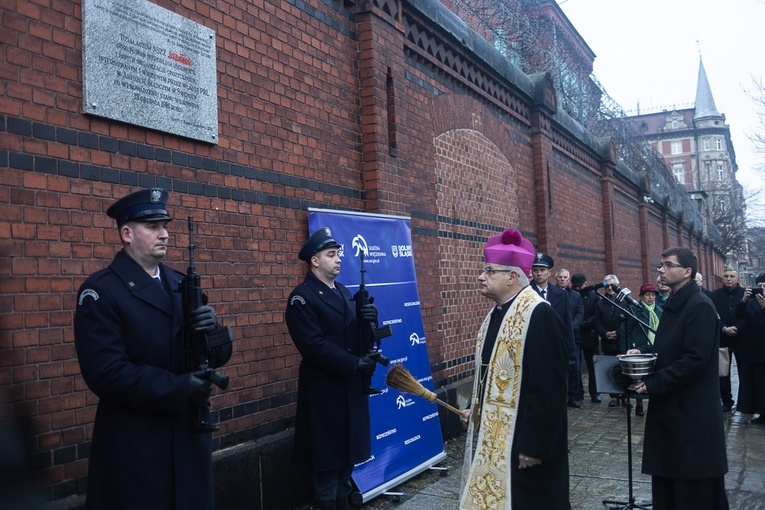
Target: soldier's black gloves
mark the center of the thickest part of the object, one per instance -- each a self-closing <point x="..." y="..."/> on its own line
<point x="369" y="313"/>
<point x="366" y="366"/>
<point x="203" y="319"/>
<point x="571" y="365"/>
<point x="200" y="388"/>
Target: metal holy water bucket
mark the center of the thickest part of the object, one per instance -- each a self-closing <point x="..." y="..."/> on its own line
<point x="636" y="366"/>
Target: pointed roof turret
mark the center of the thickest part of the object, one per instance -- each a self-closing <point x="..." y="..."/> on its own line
<point x="705" y="103"/>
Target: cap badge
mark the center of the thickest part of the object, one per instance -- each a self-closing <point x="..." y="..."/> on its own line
<point x="156" y="195"/>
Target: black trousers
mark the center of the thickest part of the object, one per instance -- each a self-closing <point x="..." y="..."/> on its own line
<point x="726" y="395"/>
<point x="587" y="354"/>
<point x="331" y="486"/>
<point x="706" y="494"/>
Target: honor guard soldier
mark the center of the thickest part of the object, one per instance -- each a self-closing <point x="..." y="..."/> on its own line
<point x="128" y="335"/>
<point x="332" y="423"/>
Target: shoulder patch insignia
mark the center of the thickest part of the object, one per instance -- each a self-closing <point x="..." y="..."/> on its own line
<point x="87" y="292"/>
<point x="299" y="299"/>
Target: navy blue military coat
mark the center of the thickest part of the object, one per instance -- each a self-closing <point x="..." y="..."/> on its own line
<point x="558" y="299"/>
<point x="332" y="421"/>
<point x="129" y="345"/>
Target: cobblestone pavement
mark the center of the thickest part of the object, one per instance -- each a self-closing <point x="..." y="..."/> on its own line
<point x="598" y="464"/>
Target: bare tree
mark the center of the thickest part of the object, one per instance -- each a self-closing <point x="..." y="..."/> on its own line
<point x="757" y="95"/>
<point x="729" y="216"/>
<point x="534" y="42"/>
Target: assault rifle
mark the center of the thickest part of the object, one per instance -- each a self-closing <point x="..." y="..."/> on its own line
<point x="369" y="334"/>
<point x="198" y="346"/>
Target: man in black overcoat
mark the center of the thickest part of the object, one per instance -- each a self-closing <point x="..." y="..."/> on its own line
<point x="128" y="335"/>
<point x="608" y="320"/>
<point x="725" y="299"/>
<point x="576" y="308"/>
<point x="684" y="449"/>
<point x="588" y="335"/>
<point x="332" y="429"/>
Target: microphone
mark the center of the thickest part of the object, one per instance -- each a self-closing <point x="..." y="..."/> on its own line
<point x="593" y="287"/>
<point x="624" y="295"/>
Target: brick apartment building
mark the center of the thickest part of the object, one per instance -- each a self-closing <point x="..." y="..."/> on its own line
<point x="695" y="143"/>
<point x="388" y="106"/>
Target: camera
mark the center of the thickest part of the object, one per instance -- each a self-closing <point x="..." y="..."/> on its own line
<point x="756" y="290"/>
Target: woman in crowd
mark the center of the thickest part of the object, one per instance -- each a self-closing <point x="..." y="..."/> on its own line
<point x="750" y="355"/>
<point x="633" y="334"/>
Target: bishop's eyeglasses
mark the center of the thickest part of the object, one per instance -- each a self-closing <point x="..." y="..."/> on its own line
<point x="490" y="271"/>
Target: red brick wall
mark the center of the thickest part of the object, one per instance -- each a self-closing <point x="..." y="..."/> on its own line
<point x="319" y="106"/>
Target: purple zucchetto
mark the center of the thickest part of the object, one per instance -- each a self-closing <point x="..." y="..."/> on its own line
<point x="509" y="249"/>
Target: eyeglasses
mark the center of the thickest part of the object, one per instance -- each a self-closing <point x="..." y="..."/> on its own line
<point x="490" y="270"/>
<point x="668" y="265"/>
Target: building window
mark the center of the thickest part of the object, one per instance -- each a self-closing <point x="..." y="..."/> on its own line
<point x="706" y="144"/>
<point x="679" y="171"/>
<point x="708" y="169"/>
<point x="721" y="206"/>
<point x="718" y="144"/>
<point x="676" y="148"/>
<point x="674" y="123"/>
<point x="720" y="172"/>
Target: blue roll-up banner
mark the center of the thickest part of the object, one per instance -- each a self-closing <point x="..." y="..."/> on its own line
<point x="406" y="433"/>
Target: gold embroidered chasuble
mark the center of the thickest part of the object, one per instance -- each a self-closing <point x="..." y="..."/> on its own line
<point x="486" y="475"/>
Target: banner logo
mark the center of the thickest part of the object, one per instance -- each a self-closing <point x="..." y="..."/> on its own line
<point x="416" y="339"/>
<point x="360" y="244"/>
<point x="402" y="402"/>
<point x="401" y="250"/>
<point x="372" y="253"/>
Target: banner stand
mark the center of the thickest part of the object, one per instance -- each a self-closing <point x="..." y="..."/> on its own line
<point x="358" y="499"/>
<point x="405" y="430"/>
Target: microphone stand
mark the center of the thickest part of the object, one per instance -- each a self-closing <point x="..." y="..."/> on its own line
<point x="630" y="503"/>
<point x="625" y="396"/>
<point x="628" y="312"/>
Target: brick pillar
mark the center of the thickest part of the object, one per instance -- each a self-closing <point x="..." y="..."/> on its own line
<point x="379" y="28"/>
<point x="544" y="106"/>
<point x="607" y="168"/>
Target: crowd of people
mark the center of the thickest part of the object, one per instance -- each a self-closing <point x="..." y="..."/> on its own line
<point x="132" y="326"/>
<point x="675" y="318"/>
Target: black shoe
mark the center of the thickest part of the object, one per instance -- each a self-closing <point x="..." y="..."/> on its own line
<point x="595" y="400"/>
<point x="760" y="420"/>
<point x="574" y="403"/>
<point x="727" y="408"/>
<point x="639" y="409"/>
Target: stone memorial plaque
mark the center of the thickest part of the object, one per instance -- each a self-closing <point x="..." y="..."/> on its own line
<point x="148" y="66"/>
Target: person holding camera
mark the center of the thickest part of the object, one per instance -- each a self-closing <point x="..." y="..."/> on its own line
<point x="750" y="354"/>
<point x="588" y="335"/>
<point x="128" y="332"/>
<point x="332" y="427"/>
<point x="608" y="320"/>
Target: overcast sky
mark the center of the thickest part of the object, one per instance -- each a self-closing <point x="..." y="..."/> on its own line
<point x="647" y="51"/>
